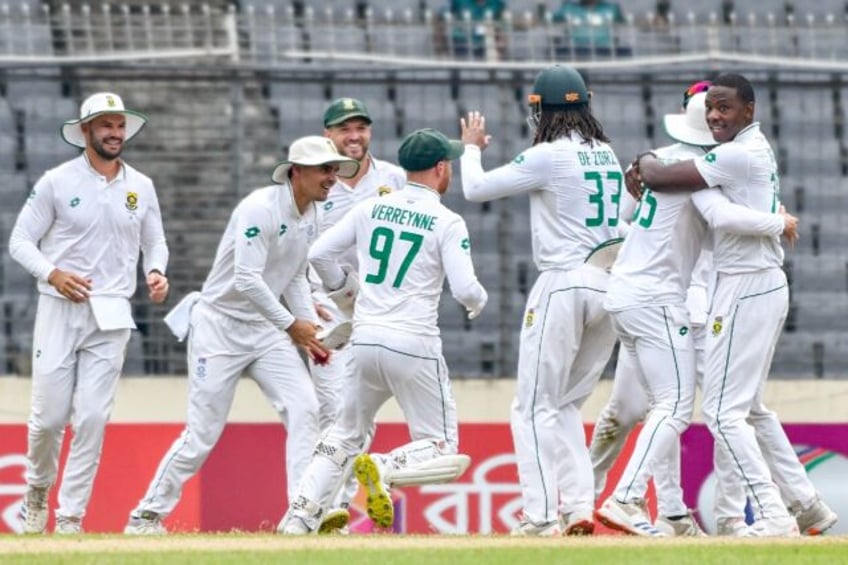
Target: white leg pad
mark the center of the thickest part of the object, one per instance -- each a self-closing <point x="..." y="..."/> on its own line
<point x="442" y="469"/>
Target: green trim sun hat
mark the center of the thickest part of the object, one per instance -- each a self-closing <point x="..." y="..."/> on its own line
<point x="100" y="104"/>
<point x="691" y="127"/>
<point x="312" y="151"/>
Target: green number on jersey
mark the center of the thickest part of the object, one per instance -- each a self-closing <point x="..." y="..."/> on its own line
<point x="598" y="198"/>
<point x="646" y="219"/>
<point x="380" y="248"/>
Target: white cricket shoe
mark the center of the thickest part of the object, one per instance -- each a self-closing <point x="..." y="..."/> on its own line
<point x="628" y="517"/>
<point x="815" y="519"/>
<point x="146" y="523"/>
<point x="34" y="510"/>
<point x="67" y="526"/>
<point x="292" y="525"/>
<point x="783" y="527"/>
<point x="685" y="526"/>
<point x="733" y="527"/>
<point x="530" y="529"/>
<point x="578" y="523"/>
<point x="378" y="502"/>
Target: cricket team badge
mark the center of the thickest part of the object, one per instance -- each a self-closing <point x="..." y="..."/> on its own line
<point x="383" y="190"/>
<point x="717" y="325"/>
<point x="132" y="201"/>
<point x="529" y="318"/>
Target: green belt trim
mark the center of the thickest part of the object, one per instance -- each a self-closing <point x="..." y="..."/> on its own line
<point x="438" y="375"/>
<point x="721" y="396"/>
<point x="536" y="385"/>
<point x="673" y="411"/>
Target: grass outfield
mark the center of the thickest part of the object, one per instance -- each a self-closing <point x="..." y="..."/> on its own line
<point x="410" y="550"/>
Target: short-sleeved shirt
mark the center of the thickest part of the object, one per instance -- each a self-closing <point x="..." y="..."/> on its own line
<point x="746" y="172"/>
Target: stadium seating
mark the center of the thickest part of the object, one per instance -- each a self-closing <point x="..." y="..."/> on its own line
<point x="216" y="134"/>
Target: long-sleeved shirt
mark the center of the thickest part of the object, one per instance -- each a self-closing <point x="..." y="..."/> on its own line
<point x="406" y="243"/>
<point x="574" y="191"/>
<point x="382" y="178"/>
<point x="261" y="256"/>
<point x="746" y="172"/>
<point x="666" y="237"/>
<point x="77" y="221"/>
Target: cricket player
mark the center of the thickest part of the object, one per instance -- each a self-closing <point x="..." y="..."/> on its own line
<point x="406" y="244"/>
<point x="574" y="183"/>
<point x="647" y="300"/>
<point x="237" y="324"/>
<point x="79" y="235"/>
<point x="751" y="297"/>
<point x="348" y="124"/>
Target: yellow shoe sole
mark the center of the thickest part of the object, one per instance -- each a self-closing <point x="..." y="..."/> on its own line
<point x="378" y="502"/>
<point x="334" y="521"/>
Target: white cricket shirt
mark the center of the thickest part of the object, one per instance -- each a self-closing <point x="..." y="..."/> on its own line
<point x="381" y="179"/>
<point x="77" y="221"/>
<point x="655" y="263"/>
<point x="261" y="256"/>
<point x="574" y="191"/>
<point x="406" y="243"/>
<point x="746" y="172"/>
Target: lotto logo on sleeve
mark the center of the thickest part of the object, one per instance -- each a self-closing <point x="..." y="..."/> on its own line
<point x="251" y="232"/>
<point x="710" y="157"/>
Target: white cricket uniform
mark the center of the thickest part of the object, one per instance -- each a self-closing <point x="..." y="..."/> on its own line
<point x="78" y="221"/>
<point x="749" y="305"/>
<point x="382" y="178"/>
<point x="567" y="337"/>
<point x="647" y="299"/>
<point x="406" y="244"/>
<point x="238" y="325"/>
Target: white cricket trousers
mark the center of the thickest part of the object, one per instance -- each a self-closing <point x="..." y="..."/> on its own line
<point x="75" y="371"/>
<point x="745" y="321"/>
<point x="566" y="341"/>
<point x="387" y="363"/>
<point x="221" y="348"/>
<point x="660" y="339"/>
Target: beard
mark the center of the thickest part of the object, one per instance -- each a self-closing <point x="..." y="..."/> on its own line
<point x="104" y="153"/>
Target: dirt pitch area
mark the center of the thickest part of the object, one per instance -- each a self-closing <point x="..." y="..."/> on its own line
<point x="97" y="543"/>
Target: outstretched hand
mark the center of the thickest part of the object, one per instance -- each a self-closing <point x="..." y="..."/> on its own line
<point x="474" y="130"/>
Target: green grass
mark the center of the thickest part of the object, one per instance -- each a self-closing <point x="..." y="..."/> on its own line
<point x="412" y="550"/>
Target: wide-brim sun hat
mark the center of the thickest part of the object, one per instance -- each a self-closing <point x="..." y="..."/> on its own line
<point x="690" y="127"/>
<point x="100" y="104"/>
<point x="313" y="151"/>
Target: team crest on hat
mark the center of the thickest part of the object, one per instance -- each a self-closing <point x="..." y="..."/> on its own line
<point x="110" y="101"/>
<point x="349" y="104"/>
<point x="132" y="201"/>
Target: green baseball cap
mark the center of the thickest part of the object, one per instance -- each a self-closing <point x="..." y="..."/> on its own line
<point x="423" y="148"/>
<point x="342" y="109"/>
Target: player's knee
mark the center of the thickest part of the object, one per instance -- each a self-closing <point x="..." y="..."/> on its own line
<point x="47" y="424"/>
<point x="91" y="423"/>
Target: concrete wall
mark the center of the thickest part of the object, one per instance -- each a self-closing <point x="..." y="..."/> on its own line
<point x="164" y="400"/>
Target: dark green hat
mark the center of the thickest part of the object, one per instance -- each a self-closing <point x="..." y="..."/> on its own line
<point x="559" y="87"/>
<point x="343" y="109"/>
<point x="423" y="148"/>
